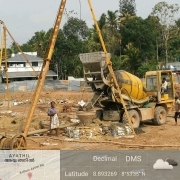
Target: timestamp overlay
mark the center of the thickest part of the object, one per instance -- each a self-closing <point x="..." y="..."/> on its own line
<point x="120" y="165"/>
<point x="89" y="165"/>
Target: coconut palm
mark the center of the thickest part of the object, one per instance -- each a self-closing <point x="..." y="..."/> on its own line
<point x="125" y="18"/>
<point x="37" y="42"/>
<point x="112" y="20"/>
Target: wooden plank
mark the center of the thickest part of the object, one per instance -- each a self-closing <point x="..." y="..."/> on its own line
<point x="45" y="130"/>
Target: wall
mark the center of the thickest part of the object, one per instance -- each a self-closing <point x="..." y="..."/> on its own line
<point x="50" y="84"/>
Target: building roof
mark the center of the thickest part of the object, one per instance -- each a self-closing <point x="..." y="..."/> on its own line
<point x="173" y="65"/>
<point x="20" y="58"/>
<point x="25" y="74"/>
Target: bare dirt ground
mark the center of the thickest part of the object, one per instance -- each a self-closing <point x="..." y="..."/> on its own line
<point x="155" y="137"/>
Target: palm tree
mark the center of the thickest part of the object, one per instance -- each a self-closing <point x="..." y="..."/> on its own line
<point x="37" y="42"/>
<point x="125" y="18"/>
<point x="112" y="20"/>
<point x="131" y="59"/>
<point x="111" y="40"/>
<point x="14" y="48"/>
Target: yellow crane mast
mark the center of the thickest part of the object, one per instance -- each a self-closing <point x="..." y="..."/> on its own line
<point x="109" y="63"/>
<point x="3" y="49"/>
<point x="45" y="67"/>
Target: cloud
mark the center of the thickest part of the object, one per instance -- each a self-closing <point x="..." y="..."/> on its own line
<point x="160" y="164"/>
<point x="171" y="162"/>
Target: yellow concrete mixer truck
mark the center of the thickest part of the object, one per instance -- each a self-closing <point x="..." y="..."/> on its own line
<point x="144" y="100"/>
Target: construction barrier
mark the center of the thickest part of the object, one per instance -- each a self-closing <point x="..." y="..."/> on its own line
<point x="29" y="85"/>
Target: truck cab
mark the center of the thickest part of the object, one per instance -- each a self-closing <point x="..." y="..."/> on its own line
<point x="153" y="82"/>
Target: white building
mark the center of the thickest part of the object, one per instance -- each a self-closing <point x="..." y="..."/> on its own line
<point x="19" y="69"/>
<point x="70" y="78"/>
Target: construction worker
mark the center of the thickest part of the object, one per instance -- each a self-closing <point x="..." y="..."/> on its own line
<point x="177" y="108"/>
<point x="164" y="86"/>
<point x="54" y="121"/>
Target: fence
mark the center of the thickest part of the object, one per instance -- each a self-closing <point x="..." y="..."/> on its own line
<point x="30" y="85"/>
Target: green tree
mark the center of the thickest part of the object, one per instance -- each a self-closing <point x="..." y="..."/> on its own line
<point x="37" y="42"/>
<point x="109" y="29"/>
<point x="127" y="7"/>
<point x="26" y="47"/>
<point x="94" y="43"/>
<point x="146" y="66"/>
<point x="125" y="18"/>
<point x="117" y="62"/>
<point x="142" y="34"/>
<point x="110" y="32"/>
<point x="14" y="48"/>
<point x="111" y="41"/>
<point x="102" y="21"/>
<point x="131" y="60"/>
<point x="166" y="14"/>
<point x="76" y="28"/>
<point x="174" y="43"/>
<point x="112" y="21"/>
<point x="71" y="41"/>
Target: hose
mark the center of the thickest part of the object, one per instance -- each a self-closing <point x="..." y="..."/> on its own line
<point x="117" y="143"/>
<point x="142" y="101"/>
<point x="127" y="93"/>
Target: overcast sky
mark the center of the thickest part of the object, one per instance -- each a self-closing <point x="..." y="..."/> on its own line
<point x="24" y="17"/>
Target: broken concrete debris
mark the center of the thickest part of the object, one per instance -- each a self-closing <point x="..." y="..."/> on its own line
<point x="48" y="144"/>
<point x="8" y="113"/>
<point x="75" y="120"/>
<point x="13" y="103"/>
<point x="117" y="131"/>
<point x="17" y="103"/>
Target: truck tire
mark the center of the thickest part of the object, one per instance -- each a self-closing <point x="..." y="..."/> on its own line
<point x="160" y="115"/>
<point x="134" y="116"/>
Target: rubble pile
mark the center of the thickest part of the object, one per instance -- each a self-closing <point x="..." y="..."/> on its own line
<point x="83" y="132"/>
<point x="14" y="103"/>
<point x="94" y="131"/>
<point x="8" y="113"/>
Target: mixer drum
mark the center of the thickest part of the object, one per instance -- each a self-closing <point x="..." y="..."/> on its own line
<point x="131" y="83"/>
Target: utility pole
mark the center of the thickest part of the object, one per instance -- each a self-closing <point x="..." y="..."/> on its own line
<point x="120" y="42"/>
<point x="80" y="8"/>
<point x="57" y="70"/>
<point x="157" y="50"/>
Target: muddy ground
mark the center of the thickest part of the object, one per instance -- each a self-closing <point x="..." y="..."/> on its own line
<point x="155" y="137"/>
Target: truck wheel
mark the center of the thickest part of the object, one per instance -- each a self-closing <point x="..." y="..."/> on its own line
<point x="134" y="116"/>
<point x="160" y="116"/>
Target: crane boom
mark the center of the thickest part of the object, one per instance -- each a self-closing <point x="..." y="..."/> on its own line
<point x="45" y="67"/>
<point x="109" y="63"/>
<point x="3" y="49"/>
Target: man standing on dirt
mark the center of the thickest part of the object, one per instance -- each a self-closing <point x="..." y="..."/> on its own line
<point x="177" y="106"/>
<point x="54" y="121"/>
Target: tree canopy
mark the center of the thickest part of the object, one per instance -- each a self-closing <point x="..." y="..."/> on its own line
<point x="127" y="7"/>
<point x="136" y="44"/>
